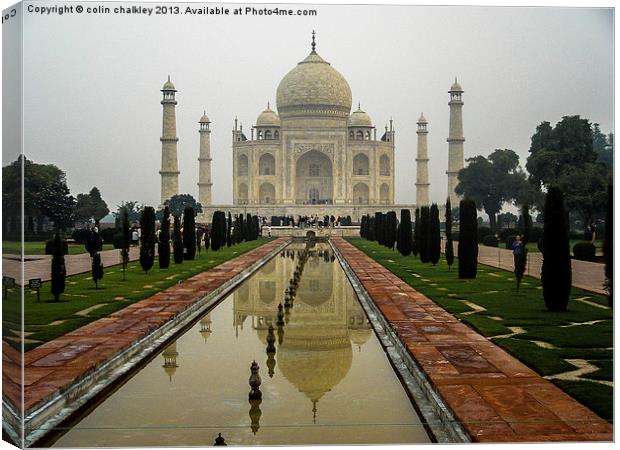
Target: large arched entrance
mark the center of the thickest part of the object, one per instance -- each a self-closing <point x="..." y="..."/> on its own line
<point x="313" y="179"/>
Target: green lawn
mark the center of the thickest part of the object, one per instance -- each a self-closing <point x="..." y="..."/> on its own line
<point x="581" y="332"/>
<point x="48" y="320"/>
<point x="38" y="248"/>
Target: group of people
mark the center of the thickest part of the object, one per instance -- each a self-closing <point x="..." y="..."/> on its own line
<point x="313" y="221"/>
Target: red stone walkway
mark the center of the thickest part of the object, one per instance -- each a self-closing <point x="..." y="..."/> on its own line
<point x="494" y="396"/>
<point x="59" y="362"/>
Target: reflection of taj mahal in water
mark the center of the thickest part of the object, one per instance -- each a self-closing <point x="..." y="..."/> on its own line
<point x="313" y="154"/>
<point x="323" y="327"/>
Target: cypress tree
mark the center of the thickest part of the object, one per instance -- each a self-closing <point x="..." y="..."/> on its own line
<point x="423" y="237"/>
<point x="97" y="269"/>
<point x="126" y="232"/>
<point x="207" y="240"/>
<point x="189" y="233"/>
<point x="256" y="227"/>
<point x="404" y="233"/>
<point x="468" y="239"/>
<point x="520" y="257"/>
<point x="248" y="227"/>
<point x="363" y="225"/>
<point x="177" y="241"/>
<point x="163" y="246"/>
<point x="372" y="228"/>
<point x="59" y="270"/>
<point x="241" y="228"/>
<point x="392" y="225"/>
<point x="608" y="244"/>
<point x="229" y="231"/>
<point x="216" y="241"/>
<point x="556" y="273"/>
<point x="415" y="247"/>
<point x="449" y="247"/>
<point x="147" y="238"/>
<point x="434" y="236"/>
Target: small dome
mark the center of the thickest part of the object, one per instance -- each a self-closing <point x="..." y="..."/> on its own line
<point x="268" y="118"/>
<point x="359" y="118"/>
<point x="168" y="86"/>
<point x="422" y="119"/>
<point x="456" y="87"/>
<point x="313" y="88"/>
<point x="204" y="118"/>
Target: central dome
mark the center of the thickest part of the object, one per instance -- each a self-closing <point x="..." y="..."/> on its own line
<point x="314" y="88"/>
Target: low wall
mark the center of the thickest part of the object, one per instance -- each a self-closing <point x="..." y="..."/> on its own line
<point x="319" y="232"/>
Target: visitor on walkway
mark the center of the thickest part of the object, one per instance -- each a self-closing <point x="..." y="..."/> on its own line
<point x="517" y="250"/>
<point x="134" y="237"/>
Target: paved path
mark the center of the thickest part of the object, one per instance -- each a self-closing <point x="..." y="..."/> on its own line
<point x="40" y="266"/>
<point x="55" y="364"/>
<point x="586" y="275"/>
<point x="494" y="396"/>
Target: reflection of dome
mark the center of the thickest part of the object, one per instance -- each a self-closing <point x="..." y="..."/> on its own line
<point x="316" y="284"/>
<point x="314" y="371"/>
<point x="268" y="118"/>
<point x="360" y="118"/>
<point x="360" y="336"/>
<point x="314" y="87"/>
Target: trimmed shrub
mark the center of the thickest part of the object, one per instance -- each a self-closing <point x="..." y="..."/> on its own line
<point x="584" y="251"/>
<point x="107" y="235"/>
<point x="608" y="243"/>
<point x="117" y="241"/>
<point x="424" y="234"/>
<point x="434" y="235"/>
<point x="59" y="270"/>
<point x="229" y="230"/>
<point x="449" y="250"/>
<point x="482" y="232"/>
<point x="405" y="238"/>
<point x="505" y="232"/>
<point x="391" y="229"/>
<point x="468" y="240"/>
<point x="490" y="241"/>
<point x="415" y="245"/>
<point x="539" y="244"/>
<point x="97" y="269"/>
<point x="177" y="241"/>
<point x="189" y="233"/>
<point x="163" y="246"/>
<point x="79" y="235"/>
<point x="556" y="273"/>
<point x="147" y="238"/>
<point x="49" y="247"/>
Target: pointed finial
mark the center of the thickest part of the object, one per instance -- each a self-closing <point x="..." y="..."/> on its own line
<point x="268" y="105"/>
<point x="455" y="80"/>
<point x="359" y="106"/>
<point x="168" y="77"/>
<point x="204" y="112"/>
<point x="313" y="42"/>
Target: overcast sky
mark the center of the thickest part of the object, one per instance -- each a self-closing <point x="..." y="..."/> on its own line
<point x="92" y="83"/>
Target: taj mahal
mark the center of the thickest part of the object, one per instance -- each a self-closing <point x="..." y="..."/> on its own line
<point x="312" y="155"/>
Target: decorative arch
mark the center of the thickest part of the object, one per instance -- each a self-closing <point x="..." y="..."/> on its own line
<point x="360" y="194"/>
<point x="267" y="134"/>
<point x="361" y="164"/>
<point x="242" y="194"/>
<point x="267" y="165"/>
<point x="242" y="166"/>
<point x="384" y="194"/>
<point x="267" y="194"/>
<point x="384" y="166"/>
<point x="360" y="135"/>
<point x="314" y="179"/>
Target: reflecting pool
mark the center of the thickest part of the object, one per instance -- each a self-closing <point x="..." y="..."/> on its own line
<point x="328" y="382"/>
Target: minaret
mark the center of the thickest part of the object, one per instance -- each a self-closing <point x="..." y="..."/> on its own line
<point x="169" y="166"/>
<point x="455" y="141"/>
<point x="422" y="184"/>
<point x="204" y="162"/>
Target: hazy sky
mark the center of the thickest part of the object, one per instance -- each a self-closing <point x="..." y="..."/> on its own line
<point x="91" y="83"/>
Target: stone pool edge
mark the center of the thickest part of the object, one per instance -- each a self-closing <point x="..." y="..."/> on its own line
<point x="437" y="415"/>
<point x="43" y="418"/>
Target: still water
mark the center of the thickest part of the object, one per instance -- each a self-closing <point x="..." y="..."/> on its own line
<point x="329" y="381"/>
